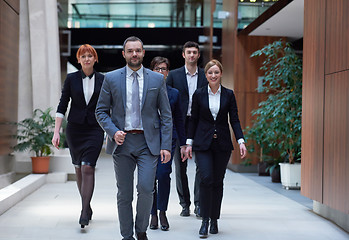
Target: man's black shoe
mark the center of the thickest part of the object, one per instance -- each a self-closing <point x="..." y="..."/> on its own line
<point x="185" y="212"/>
<point x="197" y="211"/>
<point x="142" y="236"/>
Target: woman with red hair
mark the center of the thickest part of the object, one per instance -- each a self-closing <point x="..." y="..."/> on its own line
<point x="84" y="135"/>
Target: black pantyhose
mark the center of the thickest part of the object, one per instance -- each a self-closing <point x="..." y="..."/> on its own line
<point x="85" y="181"/>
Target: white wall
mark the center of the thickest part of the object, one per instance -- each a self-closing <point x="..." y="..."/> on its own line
<point x="39" y="65"/>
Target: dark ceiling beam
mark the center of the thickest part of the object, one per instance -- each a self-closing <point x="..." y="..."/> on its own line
<point x="76" y="9"/>
<point x="275" y="8"/>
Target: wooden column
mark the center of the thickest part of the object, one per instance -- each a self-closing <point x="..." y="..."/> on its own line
<point x="9" y="43"/>
<point x="325" y="122"/>
<point x="240" y="71"/>
<point x="336" y="109"/>
<point x="313" y="98"/>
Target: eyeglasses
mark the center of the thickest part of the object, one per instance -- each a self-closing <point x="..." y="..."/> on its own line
<point x="160" y="69"/>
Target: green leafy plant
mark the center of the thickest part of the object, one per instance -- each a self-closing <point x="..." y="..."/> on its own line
<point x="35" y="133"/>
<point x="277" y="126"/>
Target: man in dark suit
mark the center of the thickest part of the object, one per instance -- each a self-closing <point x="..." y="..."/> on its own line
<point x="137" y="99"/>
<point x="187" y="79"/>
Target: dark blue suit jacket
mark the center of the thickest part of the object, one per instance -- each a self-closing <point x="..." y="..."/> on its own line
<point x="72" y="89"/>
<point x="177" y="78"/>
<point x="202" y="125"/>
<point x="177" y="117"/>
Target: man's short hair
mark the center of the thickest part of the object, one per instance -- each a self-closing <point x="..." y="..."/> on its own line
<point x="190" y="44"/>
<point x="131" y="39"/>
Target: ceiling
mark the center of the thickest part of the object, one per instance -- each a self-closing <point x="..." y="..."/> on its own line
<point x="150" y="13"/>
<point x="135" y="13"/>
<point x="287" y="22"/>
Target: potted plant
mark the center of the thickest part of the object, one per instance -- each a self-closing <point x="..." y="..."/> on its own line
<point x="34" y="134"/>
<point x="278" y="119"/>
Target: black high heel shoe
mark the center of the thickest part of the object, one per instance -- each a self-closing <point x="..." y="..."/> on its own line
<point x="83" y="221"/>
<point x="203" y="232"/>
<point x="163" y="221"/>
<point x="90" y="213"/>
<point x="154" y="222"/>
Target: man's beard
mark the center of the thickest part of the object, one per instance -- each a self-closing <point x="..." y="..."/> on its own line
<point x="135" y="64"/>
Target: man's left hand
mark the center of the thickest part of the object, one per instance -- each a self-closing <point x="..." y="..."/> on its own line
<point x="165" y="155"/>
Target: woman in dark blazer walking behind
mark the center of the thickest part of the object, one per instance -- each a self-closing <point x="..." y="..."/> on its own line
<point x="84" y="135"/>
<point x="209" y="136"/>
<point x="163" y="179"/>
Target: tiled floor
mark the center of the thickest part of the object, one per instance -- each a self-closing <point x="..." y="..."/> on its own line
<point x="250" y="211"/>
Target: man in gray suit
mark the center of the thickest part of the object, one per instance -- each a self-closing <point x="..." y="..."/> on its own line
<point x="132" y="107"/>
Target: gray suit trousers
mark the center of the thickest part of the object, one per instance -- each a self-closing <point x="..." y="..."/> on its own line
<point x="134" y="152"/>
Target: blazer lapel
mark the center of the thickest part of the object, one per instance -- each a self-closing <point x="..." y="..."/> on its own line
<point x="206" y="103"/>
<point x="123" y="86"/>
<point x="97" y="87"/>
<point x="145" y="86"/>
<point x="222" y="100"/>
<point x="184" y="79"/>
<point x="201" y="78"/>
<point x="81" y="88"/>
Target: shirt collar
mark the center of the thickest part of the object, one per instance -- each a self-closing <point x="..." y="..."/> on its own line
<point x="188" y="73"/>
<point x="129" y="71"/>
<point x="84" y="75"/>
<point x="210" y="91"/>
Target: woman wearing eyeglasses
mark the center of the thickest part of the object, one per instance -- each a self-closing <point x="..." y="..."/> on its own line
<point x="163" y="180"/>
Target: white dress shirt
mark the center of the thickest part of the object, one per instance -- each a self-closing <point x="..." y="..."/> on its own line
<point x="214" y="101"/>
<point x="192" y="81"/>
<point x="129" y="80"/>
<point x="88" y="84"/>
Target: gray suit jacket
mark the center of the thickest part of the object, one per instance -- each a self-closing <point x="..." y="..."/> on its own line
<point x="111" y="108"/>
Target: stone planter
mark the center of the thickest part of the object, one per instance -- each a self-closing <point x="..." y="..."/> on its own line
<point x="290" y="175"/>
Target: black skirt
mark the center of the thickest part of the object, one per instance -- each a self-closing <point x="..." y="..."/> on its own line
<point x="85" y="143"/>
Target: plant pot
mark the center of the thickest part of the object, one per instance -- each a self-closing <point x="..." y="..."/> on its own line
<point x="290" y="175"/>
<point x="275" y="175"/>
<point x="262" y="166"/>
<point x="40" y="164"/>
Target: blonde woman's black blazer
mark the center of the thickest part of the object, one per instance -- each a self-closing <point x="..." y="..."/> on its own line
<point x="202" y="126"/>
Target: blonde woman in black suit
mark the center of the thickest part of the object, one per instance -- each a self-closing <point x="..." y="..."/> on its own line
<point x="84" y="135"/>
<point x="209" y="136"/>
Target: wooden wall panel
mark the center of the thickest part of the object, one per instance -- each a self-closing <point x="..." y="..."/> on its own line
<point x="240" y="71"/>
<point x="14" y="4"/>
<point x="9" y="45"/>
<point x="313" y="98"/>
<point x="336" y="142"/>
<point x="228" y="42"/>
<point x="325" y="122"/>
<point x="337" y="36"/>
<point x="245" y="75"/>
<point x="247" y="102"/>
<point x="246" y="69"/>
